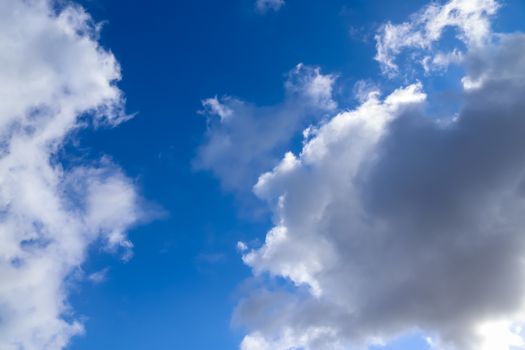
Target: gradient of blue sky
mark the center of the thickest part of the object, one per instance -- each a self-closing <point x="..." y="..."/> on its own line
<point x="185" y="278"/>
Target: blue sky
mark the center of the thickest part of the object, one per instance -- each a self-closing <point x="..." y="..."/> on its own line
<point x="170" y="227"/>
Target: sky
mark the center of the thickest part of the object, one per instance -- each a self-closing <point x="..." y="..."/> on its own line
<point x="262" y="175"/>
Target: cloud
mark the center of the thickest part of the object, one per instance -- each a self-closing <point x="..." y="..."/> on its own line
<point x="266" y="5"/>
<point x="246" y="139"/>
<point x="98" y="276"/>
<point x="471" y="18"/>
<point x="54" y="79"/>
<point x="441" y="60"/>
<point x="390" y="221"/>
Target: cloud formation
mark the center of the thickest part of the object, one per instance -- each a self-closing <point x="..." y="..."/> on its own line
<point x="54" y="79"/>
<point x="390" y="221"/>
<point x="470" y="18"/>
<point x="266" y="5"/>
<point x="243" y="139"/>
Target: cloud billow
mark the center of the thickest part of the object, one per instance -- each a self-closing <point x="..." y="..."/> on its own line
<point x="390" y="221"/>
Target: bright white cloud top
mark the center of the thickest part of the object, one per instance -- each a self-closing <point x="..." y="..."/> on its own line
<point x="54" y="79"/>
<point x="389" y="221"/>
<point x="470" y="18"/>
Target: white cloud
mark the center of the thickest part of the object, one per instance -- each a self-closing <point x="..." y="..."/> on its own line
<point x="215" y="107"/>
<point x="265" y="5"/>
<point x="441" y="61"/>
<point x="309" y="84"/>
<point x="471" y="18"/>
<point x="390" y="222"/>
<point x="241" y="246"/>
<point x="98" y="276"/>
<point x="357" y="131"/>
<point x="247" y="139"/>
<point x="53" y="74"/>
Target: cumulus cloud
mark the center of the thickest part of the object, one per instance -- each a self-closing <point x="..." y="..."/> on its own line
<point x="265" y="5"/>
<point x="390" y="221"/>
<point x="471" y="19"/>
<point x="54" y="79"/>
<point x="246" y="139"/>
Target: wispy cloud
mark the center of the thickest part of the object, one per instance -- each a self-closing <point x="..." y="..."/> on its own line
<point x="471" y="18"/>
<point x="266" y="5"/>
<point x="246" y="139"/>
<point x="98" y="276"/>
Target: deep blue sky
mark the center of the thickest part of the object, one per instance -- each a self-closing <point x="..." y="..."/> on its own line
<point x="180" y="288"/>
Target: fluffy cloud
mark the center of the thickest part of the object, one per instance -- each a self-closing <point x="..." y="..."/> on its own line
<point x="390" y="221"/>
<point x="245" y="139"/>
<point x="265" y="5"/>
<point x="54" y="79"/>
<point x="471" y="18"/>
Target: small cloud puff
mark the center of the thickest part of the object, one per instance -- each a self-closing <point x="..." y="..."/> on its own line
<point x="265" y="5"/>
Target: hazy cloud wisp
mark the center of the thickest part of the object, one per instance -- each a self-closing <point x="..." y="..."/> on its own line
<point x="244" y="139"/>
<point x="266" y="5"/>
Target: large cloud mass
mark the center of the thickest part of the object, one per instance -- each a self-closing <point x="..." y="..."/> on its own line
<point x="390" y="221"/>
<point x="54" y="78"/>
